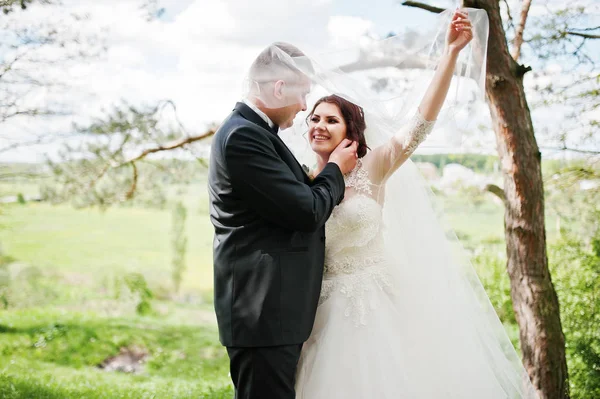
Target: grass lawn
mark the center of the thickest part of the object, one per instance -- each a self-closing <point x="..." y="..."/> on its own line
<point x="46" y="353"/>
<point x="69" y="313"/>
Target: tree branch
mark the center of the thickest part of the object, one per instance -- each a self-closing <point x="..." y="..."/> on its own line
<point x="131" y="191"/>
<point x="522" y="69"/>
<point x="423" y="6"/>
<point x="497" y="191"/>
<point x="588" y="29"/>
<point x="565" y="148"/>
<point x="29" y="112"/>
<point x="509" y="15"/>
<point x="584" y="35"/>
<point x="134" y="183"/>
<point x="8" y="66"/>
<point x="518" y="40"/>
<point x="178" y="144"/>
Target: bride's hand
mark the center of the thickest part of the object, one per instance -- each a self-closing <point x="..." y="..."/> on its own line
<point x="459" y="31"/>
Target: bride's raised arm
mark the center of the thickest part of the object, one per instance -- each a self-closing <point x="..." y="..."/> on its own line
<point x="391" y="155"/>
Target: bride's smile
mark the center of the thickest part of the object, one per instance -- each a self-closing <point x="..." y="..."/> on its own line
<point x="326" y="128"/>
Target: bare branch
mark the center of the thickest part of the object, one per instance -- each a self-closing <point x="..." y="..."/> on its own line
<point x="423" y="6"/>
<point x="497" y="191"/>
<point x="131" y="191"/>
<point x="509" y="15"/>
<point x="559" y="34"/>
<point x="99" y="176"/>
<point x="587" y="29"/>
<point x="518" y="40"/>
<point x="110" y="163"/>
<point x="29" y="112"/>
<point x="114" y="165"/>
<point x="177" y="144"/>
<point x="565" y="148"/>
<point x="172" y="104"/>
<point x="9" y="65"/>
<point x="584" y="35"/>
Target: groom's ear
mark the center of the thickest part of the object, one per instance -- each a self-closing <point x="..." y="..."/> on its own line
<point x="278" y="89"/>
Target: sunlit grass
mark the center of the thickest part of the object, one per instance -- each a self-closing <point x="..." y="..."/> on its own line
<point x="70" y="311"/>
<point x="54" y="354"/>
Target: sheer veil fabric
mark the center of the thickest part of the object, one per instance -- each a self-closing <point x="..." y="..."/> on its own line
<point x="453" y="344"/>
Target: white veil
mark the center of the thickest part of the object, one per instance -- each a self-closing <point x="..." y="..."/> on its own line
<point x="450" y="322"/>
<point x="446" y="309"/>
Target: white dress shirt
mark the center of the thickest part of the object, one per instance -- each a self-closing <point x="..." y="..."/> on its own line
<point x="259" y="112"/>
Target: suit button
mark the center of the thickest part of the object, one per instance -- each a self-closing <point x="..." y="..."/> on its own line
<point x="322" y="239"/>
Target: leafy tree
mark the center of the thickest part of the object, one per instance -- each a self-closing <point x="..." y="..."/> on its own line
<point x="575" y="265"/>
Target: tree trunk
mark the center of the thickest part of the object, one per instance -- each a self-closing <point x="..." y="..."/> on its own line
<point x="534" y="298"/>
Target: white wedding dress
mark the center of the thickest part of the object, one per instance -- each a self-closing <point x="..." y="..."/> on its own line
<point x="370" y="338"/>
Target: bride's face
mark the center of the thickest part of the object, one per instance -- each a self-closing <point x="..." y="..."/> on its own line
<point x="326" y="128"/>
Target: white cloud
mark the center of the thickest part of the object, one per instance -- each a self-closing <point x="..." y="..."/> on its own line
<point x="197" y="57"/>
<point x="346" y="31"/>
<point x="196" y="54"/>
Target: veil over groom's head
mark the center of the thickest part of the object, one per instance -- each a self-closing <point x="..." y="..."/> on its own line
<point x="279" y="77"/>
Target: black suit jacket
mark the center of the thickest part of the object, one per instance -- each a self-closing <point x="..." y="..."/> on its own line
<point x="269" y="239"/>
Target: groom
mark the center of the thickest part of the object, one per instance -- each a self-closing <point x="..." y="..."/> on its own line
<point x="269" y="222"/>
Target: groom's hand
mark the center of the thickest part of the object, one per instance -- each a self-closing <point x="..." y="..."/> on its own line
<point x="345" y="155"/>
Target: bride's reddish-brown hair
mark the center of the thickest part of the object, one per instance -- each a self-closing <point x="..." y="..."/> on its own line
<point x="353" y="117"/>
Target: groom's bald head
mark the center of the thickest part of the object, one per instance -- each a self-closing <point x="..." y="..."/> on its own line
<point x="280" y="61"/>
<point x="278" y="82"/>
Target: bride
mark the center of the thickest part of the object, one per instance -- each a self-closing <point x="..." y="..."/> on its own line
<point x="399" y="316"/>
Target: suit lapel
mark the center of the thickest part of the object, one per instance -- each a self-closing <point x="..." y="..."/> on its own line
<point x="253" y="117"/>
<point x="249" y="114"/>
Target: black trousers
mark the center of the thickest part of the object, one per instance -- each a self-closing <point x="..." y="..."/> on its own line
<point x="264" y="373"/>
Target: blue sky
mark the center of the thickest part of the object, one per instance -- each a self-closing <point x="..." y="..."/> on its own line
<point x="388" y="15"/>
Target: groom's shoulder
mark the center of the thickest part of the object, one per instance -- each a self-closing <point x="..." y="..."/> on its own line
<point x="235" y="121"/>
<point x="236" y="125"/>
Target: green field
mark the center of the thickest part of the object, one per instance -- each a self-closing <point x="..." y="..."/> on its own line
<point x="66" y="274"/>
<point x="68" y="309"/>
<point x="106" y="243"/>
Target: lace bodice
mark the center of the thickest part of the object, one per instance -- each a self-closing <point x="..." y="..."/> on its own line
<point x="355" y="254"/>
<point x="354" y="230"/>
